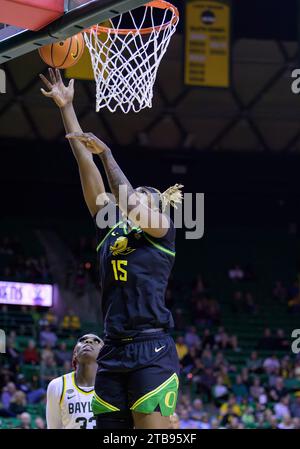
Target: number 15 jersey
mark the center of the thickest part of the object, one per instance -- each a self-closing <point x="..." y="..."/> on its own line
<point x="134" y="270"/>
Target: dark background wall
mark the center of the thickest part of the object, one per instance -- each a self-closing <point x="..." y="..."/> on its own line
<point x="41" y="180"/>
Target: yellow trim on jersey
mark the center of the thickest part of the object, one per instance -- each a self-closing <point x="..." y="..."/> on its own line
<point x="106" y="404"/>
<point x="109" y="232"/>
<point x="157" y="390"/>
<point x="78" y="388"/>
<point x="160" y="247"/>
<point x="63" y="390"/>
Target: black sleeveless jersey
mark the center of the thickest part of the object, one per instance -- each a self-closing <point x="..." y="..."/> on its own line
<point x="134" y="269"/>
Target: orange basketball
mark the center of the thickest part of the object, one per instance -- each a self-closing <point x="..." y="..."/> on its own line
<point x="64" y="54"/>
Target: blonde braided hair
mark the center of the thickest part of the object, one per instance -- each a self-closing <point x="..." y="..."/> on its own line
<point x="173" y="196"/>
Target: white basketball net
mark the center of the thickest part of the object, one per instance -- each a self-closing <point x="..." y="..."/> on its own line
<point x="125" y="63"/>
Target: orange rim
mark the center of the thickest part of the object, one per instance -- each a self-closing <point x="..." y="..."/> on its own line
<point x="160" y="4"/>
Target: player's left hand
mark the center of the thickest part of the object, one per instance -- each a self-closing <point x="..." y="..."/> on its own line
<point x="90" y="141"/>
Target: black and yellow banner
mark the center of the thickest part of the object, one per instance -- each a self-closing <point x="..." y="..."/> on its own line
<point x="207" y="43"/>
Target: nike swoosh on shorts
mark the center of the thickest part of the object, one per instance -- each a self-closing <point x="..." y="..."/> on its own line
<point x="159" y="349"/>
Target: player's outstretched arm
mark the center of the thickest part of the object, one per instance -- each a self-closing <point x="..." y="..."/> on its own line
<point x="153" y="222"/>
<point x="91" y="179"/>
<point x="53" y="411"/>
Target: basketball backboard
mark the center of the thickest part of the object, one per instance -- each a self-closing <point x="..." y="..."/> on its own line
<point x="78" y="15"/>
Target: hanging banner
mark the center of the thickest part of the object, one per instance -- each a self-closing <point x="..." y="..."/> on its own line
<point x="207" y="43"/>
<point x="25" y="294"/>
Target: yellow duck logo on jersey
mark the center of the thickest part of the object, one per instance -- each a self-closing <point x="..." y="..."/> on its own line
<point x="120" y="247"/>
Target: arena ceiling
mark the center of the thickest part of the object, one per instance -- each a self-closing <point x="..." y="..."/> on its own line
<point x="258" y="113"/>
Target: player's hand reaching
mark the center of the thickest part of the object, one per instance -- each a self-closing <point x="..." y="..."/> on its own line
<point x="62" y="95"/>
<point x="90" y="141"/>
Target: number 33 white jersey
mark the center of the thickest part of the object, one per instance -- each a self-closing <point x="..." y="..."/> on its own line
<point x="68" y="405"/>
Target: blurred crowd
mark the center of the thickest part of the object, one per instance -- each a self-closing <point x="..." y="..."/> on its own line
<point x="16" y="265"/>
<point x="265" y="393"/>
<point x="83" y="268"/>
<point x="235" y="413"/>
<point x="216" y="391"/>
<point x="32" y="361"/>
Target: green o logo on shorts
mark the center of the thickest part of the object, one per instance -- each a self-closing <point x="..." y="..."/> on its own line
<point x="165" y="395"/>
<point x="170" y="399"/>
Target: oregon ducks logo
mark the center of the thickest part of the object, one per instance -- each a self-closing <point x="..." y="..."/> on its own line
<point x="170" y="399"/>
<point x="120" y="247"/>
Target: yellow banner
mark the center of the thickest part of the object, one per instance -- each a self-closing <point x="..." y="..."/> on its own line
<point x="83" y="69"/>
<point x="207" y="43"/>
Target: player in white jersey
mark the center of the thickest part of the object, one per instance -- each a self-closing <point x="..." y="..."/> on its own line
<point x="69" y="397"/>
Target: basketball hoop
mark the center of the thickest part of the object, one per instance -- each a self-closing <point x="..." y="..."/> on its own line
<point x="125" y="59"/>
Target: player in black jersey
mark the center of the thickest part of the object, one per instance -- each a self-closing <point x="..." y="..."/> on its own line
<point x="137" y="379"/>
